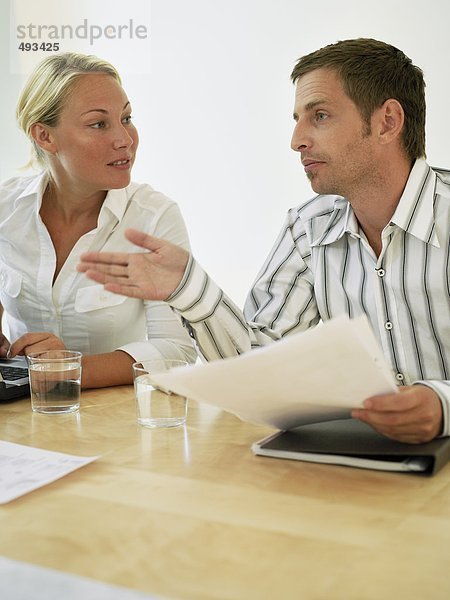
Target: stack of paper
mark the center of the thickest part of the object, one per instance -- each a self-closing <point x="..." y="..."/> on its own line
<point x="317" y="375"/>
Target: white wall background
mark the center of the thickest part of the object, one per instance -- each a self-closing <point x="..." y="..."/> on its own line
<point x="215" y="112"/>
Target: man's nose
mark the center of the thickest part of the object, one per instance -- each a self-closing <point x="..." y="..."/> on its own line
<point x="299" y="140"/>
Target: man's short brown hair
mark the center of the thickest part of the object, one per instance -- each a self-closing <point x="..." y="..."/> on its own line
<point x="371" y="72"/>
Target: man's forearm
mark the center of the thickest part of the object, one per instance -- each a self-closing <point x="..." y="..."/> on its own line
<point x="217" y="325"/>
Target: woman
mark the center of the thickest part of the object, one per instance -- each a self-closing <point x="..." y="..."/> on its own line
<point x="78" y="118"/>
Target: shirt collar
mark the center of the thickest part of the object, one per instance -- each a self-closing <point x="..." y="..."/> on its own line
<point x="414" y="213"/>
<point x="115" y="202"/>
<point x="35" y="188"/>
<point x="327" y="226"/>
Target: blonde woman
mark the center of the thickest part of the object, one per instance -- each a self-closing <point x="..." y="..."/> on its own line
<point x="78" y="119"/>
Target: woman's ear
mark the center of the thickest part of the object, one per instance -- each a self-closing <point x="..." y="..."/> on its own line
<point x="42" y="136"/>
<point x="391" y="118"/>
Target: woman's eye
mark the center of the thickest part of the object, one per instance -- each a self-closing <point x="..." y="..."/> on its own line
<point x="127" y="119"/>
<point x="98" y="125"/>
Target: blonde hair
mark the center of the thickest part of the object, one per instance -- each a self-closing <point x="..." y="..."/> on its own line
<point x="48" y="88"/>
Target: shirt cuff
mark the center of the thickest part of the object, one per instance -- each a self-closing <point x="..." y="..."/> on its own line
<point x="197" y="296"/>
<point x="141" y="351"/>
<point x="442" y="389"/>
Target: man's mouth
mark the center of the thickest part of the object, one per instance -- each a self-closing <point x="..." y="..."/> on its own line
<point x="310" y="164"/>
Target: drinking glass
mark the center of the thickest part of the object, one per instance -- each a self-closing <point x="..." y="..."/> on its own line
<point x="157" y="407"/>
<point x="55" y="381"/>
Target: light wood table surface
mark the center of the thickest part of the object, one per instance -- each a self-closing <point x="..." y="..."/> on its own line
<point x="191" y="513"/>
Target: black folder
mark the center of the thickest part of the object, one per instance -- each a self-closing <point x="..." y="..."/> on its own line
<point x="351" y="442"/>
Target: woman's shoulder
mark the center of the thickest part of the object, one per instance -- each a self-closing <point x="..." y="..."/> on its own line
<point x="145" y="196"/>
<point x="16" y="186"/>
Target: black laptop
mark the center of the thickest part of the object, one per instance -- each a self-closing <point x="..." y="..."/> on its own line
<point x="14" y="382"/>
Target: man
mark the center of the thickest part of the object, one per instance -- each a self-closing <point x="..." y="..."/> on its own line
<point x="374" y="240"/>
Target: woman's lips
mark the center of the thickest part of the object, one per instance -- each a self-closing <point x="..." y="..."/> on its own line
<point x="124" y="163"/>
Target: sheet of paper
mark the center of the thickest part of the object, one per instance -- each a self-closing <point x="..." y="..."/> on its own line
<point x="22" y="581"/>
<point x="317" y="375"/>
<point x="24" y="469"/>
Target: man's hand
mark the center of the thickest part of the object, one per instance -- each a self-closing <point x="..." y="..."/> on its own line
<point x="413" y="416"/>
<point x="152" y="275"/>
<point x="4" y="346"/>
<point x="35" y="342"/>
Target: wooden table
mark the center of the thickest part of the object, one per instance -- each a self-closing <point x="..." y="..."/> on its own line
<point x="191" y="513"/>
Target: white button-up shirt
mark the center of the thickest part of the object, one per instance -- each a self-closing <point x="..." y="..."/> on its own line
<point x="322" y="266"/>
<point x="80" y="312"/>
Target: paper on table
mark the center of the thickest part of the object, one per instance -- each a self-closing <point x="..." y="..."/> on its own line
<point x="22" y="581"/>
<point x="317" y="375"/>
<point x="24" y="469"/>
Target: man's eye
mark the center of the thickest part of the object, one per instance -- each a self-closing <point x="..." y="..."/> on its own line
<point x="321" y="116"/>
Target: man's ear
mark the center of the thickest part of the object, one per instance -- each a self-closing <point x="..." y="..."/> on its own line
<point x="42" y="136"/>
<point x="390" y="120"/>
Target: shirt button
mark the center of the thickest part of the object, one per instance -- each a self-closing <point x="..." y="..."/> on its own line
<point x="388" y="325"/>
<point x="381" y="272"/>
<point x="399" y="377"/>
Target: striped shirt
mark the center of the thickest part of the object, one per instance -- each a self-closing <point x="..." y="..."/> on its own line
<point x="322" y="266"/>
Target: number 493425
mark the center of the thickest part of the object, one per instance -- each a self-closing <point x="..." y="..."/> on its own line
<point x="43" y="46"/>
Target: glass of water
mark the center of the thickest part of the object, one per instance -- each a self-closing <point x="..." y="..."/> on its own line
<point x="157" y="407"/>
<point x="55" y="381"/>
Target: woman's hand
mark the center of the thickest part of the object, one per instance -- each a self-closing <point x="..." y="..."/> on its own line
<point x="4" y="346"/>
<point x="35" y="342"/>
